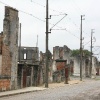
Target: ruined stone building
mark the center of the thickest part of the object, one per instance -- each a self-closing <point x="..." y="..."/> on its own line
<point x="19" y="66"/>
<point x="56" y="63"/>
<point x="85" y="66"/>
<point x="9" y="49"/>
<point x="28" y="67"/>
<point x="61" y="60"/>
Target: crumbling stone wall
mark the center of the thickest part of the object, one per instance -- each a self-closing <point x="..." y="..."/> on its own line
<point x="61" y="53"/>
<point x="1" y="38"/>
<point x="55" y="52"/>
<point x="76" y="66"/>
<point x="43" y="65"/>
<point x="10" y="45"/>
<point x="94" y="66"/>
<point x="66" y="54"/>
<point x="31" y="53"/>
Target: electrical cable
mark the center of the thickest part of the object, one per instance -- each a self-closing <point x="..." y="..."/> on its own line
<point x="25" y="12"/>
<point x="39" y="18"/>
<point x="62" y="13"/>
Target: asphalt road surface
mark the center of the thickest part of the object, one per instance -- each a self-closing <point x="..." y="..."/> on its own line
<point x="89" y="90"/>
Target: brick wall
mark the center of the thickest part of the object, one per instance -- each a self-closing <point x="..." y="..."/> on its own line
<point x="60" y="65"/>
<point x="4" y="84"/>
<point x="6" y="61"/>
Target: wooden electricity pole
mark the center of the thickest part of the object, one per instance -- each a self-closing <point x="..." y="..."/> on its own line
<point x="46" y="69"/>
<point x="91" y="53"/>
<point x="81" y="51"/>
<point x="20" y="43"/>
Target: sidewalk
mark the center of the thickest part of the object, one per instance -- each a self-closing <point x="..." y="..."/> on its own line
<point x="55" y="85"/>
<point x="21" y="91"/>
<point x="33" y="89"/>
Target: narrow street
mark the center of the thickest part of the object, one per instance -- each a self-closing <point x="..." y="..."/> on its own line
<point x="87" y="90"/>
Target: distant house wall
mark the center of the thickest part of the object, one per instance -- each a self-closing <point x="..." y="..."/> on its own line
<point x="76" y="66"/>
<point x="94" y="66"/>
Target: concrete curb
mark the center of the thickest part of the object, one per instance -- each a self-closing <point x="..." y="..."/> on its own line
<point x="20" y="91"/>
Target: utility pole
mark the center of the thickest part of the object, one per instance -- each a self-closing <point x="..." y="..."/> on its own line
<point x="20" y="57"/>
<point x="46" y="70"/>
<point x="20" y="43"/>
<point x="91" y="53"/>
<point x="81" y="51"/>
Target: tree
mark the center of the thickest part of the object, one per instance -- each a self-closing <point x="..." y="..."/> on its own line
<point x="77" y="53"/>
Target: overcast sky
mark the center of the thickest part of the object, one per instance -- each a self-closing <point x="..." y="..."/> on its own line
<point x="33" y="25"/>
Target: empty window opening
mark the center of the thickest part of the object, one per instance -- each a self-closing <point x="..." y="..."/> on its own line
<point x="24" y="55"/>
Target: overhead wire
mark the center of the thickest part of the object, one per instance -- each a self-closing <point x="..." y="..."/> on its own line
<point x="39" y="18"/>
<point x="62" y="13"/>
<point x="45" y="21"/>
<point x="24" y="12"/>
<point x="87" y="43"/>
<point x="96" y="49"/>
<point x="85" y="22"/>
<point x="45" y="7"/>
<point x="80" y="11"/>
<point x="61" y="28"/>
<point x="58" y="22"/>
